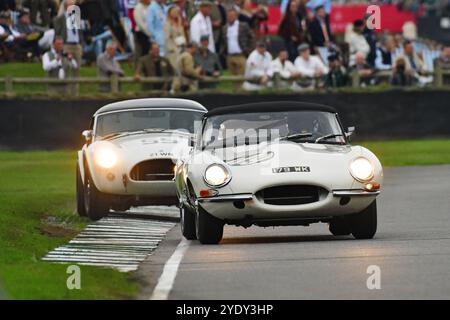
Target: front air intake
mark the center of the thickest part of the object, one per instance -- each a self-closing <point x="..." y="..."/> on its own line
<point x="153" y="170"/>
<point x="290" y="195"/>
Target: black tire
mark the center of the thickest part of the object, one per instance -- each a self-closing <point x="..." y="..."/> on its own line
<point x="340" y="227"/>
<point x="187" y="222"/>
<point x="364" y="224"/>
<point x="209" y="229"/>
<point x="80" y="195"/>
<point x="95" y="203"/>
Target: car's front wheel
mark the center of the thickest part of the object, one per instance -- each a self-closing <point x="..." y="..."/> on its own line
<point x="339" y="227"/>
<point x="209" y="229"/>
<point x="364" y="224"/>
<point x="187" y="219"/>
<point x="95" y="204"/>
<point x="80" y="194"/>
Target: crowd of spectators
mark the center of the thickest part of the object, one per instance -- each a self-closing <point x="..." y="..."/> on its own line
<point x="191" y="41"/>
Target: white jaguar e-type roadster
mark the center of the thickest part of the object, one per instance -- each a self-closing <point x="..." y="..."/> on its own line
<point x="130" y="154"/>
<point x="273" y="164"/>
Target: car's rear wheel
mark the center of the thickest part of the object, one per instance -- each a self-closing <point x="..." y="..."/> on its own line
<point x="339" y="227"/>
<point x="364" y="224"/>
<point x="95" y="204"/>
<point x="187" y="218"/>
<point x="209" y="229"/>
<point x="80" y="195"/>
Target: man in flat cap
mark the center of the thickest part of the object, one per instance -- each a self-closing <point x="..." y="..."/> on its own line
<point x="258" y="67"/>
<point x="309" y="66"/>
<point x="208" y="61"/>
<point x="188" y="72"/>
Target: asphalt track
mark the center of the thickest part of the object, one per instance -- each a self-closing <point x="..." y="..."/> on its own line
<point x="411" y="248"/>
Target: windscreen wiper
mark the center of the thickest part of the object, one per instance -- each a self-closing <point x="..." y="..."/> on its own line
<point x="296" y="136"/>
<point x="329" y="136"/>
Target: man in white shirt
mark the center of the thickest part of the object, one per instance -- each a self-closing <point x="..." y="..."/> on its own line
<point x="201" y="25"/>
<point x="59" y="65"/>
<point x="258" y="67"/>
<point x="309" y="65"/>
<point x="285" y="68"/>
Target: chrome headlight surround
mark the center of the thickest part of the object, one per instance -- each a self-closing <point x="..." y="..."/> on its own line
<point x="216" y="169"/>
<point x="362" y="169"/>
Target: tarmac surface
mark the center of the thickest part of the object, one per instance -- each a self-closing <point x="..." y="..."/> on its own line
<point x="411" y="251"/>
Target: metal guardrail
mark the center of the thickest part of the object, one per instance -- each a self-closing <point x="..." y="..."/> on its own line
<point x="115" y="82"/>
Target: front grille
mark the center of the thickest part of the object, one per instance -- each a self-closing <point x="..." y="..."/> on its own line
<point x="153" y="170"/>
<point x="290" y="195"/>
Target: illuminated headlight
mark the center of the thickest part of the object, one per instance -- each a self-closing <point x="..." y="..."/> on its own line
<point x="362" y="169"/>
<point x="217" y="175"/>
<point x="106" y="157"/>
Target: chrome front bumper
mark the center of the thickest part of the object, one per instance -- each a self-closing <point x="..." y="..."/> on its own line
<point x="355" y="193"/>
<point x="230" y="206"/>
<point x="249" y="196"/>
<point x="225" y="198"/>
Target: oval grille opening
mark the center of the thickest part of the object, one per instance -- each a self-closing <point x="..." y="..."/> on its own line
<point x="153" y="170"/>
<point x="290" y="195"/>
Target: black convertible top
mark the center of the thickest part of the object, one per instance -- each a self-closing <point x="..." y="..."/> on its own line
<point x="270" y="107"/>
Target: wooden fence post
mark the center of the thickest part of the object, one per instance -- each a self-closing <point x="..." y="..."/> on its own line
<point x="355" y="79"/>
<point x="9" y="85"/>
<point x="438" y="76"/>
<point x="114" y="83"/>
<point x="276" y="80"/>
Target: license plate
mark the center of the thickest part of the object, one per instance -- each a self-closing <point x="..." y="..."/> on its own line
<point x="291" y="169"/>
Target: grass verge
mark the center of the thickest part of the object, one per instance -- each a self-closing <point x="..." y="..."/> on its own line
<point x="36" y="215"/>
<point x="411" y="152"/>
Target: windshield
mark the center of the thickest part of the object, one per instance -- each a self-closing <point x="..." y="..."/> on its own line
<point x="252" y="128"/>
<point x="146" y="120"/>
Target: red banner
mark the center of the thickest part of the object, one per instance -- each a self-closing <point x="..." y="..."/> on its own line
<point x="392" y="19"/>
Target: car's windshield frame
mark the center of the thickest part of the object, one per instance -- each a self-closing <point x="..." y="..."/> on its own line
<point x="96" y="118"/>
<point x="342" y="133"/>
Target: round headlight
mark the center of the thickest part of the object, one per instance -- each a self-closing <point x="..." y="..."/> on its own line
<point x="106" y="157"/>
<point x="217" y="175"/>
<point x="362" y="169"/>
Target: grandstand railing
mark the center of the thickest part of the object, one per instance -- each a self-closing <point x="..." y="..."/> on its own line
<point x="115" y="82"/>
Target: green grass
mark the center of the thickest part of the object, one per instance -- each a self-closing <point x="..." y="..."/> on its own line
<point x="37" y="214"/>
<point x="411" y="152"/>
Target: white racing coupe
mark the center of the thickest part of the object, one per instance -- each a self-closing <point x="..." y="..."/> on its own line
<point x="130" y="154"/>
<point x="276" y="164"/>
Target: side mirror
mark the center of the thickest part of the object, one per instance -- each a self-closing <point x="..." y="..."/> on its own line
<point x="350" y="132"/>
<point x="87" y="134"/>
